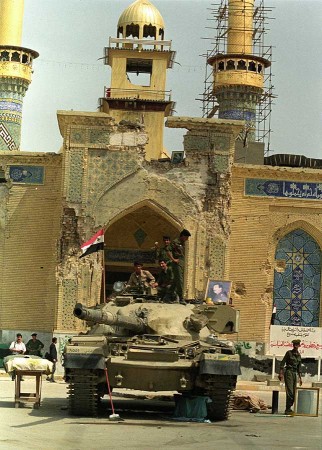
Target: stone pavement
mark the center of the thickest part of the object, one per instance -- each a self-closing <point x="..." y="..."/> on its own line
<point x="146" y="425"/>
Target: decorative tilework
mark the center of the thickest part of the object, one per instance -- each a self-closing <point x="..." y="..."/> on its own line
<point x="221" y="163"/>
<point x="140" y="236"/>
<point x="7" y="141"/>
<point x="192" y="142"/>
<point x="27" y="174"/>
<point x="221" y="143"/>
<point x="217" y="258"/>
<point x="297" y="289"/>
<point x="75" y="179"/>
<point x="77" y="136"/>
<point x="11" y="105"/>
<point x="106" y="168"/>
<point x="99" y="137"/>
<point x="283" y="189"/>
<point x="236" y="114"/>
<point x="69" y="300"/>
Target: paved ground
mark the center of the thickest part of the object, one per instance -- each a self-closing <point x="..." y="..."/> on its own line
<point x="146" y="425"/>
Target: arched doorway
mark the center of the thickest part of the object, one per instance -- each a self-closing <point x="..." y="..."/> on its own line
<point x="132" y="238"/>
<point x="297" y="286"/>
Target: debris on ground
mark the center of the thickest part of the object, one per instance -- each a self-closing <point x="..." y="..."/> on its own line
<point x="248" y="402"/>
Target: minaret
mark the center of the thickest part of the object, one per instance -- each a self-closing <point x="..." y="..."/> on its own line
<point x="15" y="73"/>
<point x="238" y="74"/>
<point x="139" y="58"/>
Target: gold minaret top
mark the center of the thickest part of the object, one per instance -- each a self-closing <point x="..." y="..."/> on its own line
<point x="141" y="12"/>
<point x="15" y="72"/>
<point x="139" y="58"/>
<point x="11" y="18"/>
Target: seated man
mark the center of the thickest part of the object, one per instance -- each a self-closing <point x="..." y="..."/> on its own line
<point x="166" y="283"/>
<point x="140" y="279"/>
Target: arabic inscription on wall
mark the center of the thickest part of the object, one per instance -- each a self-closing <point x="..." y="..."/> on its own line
<point x="283" y="189"/>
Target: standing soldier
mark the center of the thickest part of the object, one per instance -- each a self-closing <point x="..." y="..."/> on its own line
<point x="53" y="358"/>
<point x="292" y="362"/>
<point x="162" y="254"/>
<point x="177" y="257"/>
<point x="34" y="346"/>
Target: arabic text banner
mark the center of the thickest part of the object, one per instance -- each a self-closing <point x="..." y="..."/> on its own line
<point x="281" y="338"/>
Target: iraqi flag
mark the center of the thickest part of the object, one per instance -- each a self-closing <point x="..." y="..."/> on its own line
<point x="94" y="244"/>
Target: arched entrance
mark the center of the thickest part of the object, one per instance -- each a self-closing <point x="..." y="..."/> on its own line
<point x="132" y="238"/>
<point x="297" y="287"/>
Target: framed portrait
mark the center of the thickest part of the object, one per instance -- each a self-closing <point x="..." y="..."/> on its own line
<point x="177" y="157"/>
<point x="306" y="402"/>
<point x="218" y="291"/>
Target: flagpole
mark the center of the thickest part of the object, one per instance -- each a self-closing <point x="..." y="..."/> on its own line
<point x="103" y="277"/>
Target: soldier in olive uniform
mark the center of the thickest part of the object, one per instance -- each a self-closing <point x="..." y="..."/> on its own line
<point x="290" y="370"/>
<point x="163" y="252"/>
<point x="34" y="346"/>
<point x="177" y="257"/>
<point x="166" y="283"/>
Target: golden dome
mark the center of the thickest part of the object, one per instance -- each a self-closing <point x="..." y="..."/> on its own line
<point x="141" y="12"/>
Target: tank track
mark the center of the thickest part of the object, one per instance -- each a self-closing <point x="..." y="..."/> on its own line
<point x="220" y="389"/>
<point x="82" y="390"/>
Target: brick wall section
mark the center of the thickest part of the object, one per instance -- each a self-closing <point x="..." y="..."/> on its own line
<point x="29" y="248"/>
<point x="257" y="225"/>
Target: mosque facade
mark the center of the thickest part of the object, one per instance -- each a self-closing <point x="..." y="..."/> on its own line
<point x="254" y="220"/>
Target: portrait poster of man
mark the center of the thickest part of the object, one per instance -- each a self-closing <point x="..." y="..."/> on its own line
<point x="218" y="291"/>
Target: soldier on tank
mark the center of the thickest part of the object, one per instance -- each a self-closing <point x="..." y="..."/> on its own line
<point x="140" y="279"/>
<point x="177" y="257"/>
<point x="165" y="283"/>
<point x="291" y="370"/>
<point x="163" y="252"/>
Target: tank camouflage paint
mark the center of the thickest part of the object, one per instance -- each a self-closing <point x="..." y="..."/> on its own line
<point x="147" y="345"/>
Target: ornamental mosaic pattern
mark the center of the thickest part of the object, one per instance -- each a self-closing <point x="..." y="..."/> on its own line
<point x="297" y="289"/>
<point x="216" y="258"/>
<point x="6" y="140"/>
<point x="283" y="189"/>
<point x="70" y="298"/>
<point x="75" y="179"/>
<point x="221" y="163"/>
<point x="27" y="174"/>
<point x="106" y="168"/>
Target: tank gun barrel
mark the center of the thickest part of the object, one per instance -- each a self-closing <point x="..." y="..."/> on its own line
<point x="135" y="324"/>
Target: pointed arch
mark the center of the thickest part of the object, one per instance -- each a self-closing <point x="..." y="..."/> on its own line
<point x="297" y="279"/>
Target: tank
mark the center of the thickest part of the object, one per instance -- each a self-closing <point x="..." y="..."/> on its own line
<point x="143" y="344"/>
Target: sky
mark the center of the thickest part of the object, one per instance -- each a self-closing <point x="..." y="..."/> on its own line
<point x="70" y="36"/>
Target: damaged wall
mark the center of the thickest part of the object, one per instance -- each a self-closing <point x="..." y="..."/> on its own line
<point x="106" y="178"/>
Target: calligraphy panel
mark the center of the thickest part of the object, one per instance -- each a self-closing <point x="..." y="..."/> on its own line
<point x="283" y="189"/>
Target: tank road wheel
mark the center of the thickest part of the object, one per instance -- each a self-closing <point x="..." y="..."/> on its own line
<point x="83" y="395"/>
<point x="220" y="390"/>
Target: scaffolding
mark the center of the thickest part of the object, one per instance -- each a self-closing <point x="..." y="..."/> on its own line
<point x="210" y="107"/>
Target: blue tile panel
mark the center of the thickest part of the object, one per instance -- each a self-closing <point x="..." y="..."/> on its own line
<point x="27" y="174"/>
<point x="283" y="189"/>
<point x="297" y="289"/>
